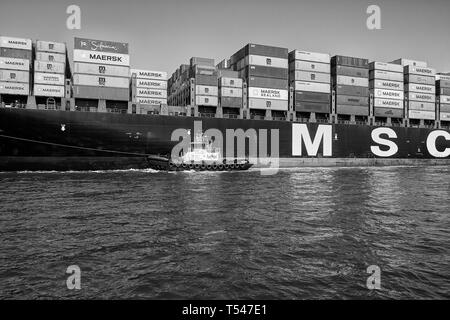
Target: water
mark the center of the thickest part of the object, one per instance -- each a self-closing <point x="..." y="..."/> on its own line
<point x="299" y="234"/>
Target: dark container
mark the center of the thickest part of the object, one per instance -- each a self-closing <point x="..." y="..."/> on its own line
<point x="206" y="80"/>
<point x="443" y="91"/>
<point x="261" y="50"/>
<point x="350" y="71"/>
<point x="261" y="82"/>
<point x="91" y="92"/>
<point x="307" y="106"/>
<point x="15" y="53"/>
<point x="231" y="102"/>
<point x="415" y="78"/>
<point x="305" y="96"/>
<point x="352" y="110"/>
<point x="352" y="90"/>
<point x="202" y="62"/>
<point x="350" y="61"/>
<point x="261" y="71"/>
<point x="352" y="100"/>
<point x="443" y="84"/>
<point x="388" y="112"/>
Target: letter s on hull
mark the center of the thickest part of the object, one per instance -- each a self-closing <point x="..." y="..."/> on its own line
<point x="393" y="148"/>
<point x="431" y="144"/>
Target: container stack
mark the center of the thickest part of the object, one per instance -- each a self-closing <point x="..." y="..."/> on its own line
<point x="230" y="93"/>
<point x="15" y="58"/>
<point x="350" y="81"/>
<point x="309" y="75"/>
<point x="387" y="88"/>
<point x="101" y="72"/>
<point x="443" y="96"/>
<point x="179" y="87"/>
<point x="50" y="69"/>
<point x="265" y="71"/>
<point x="204" y="72"/>
<point x="150" y="88"/>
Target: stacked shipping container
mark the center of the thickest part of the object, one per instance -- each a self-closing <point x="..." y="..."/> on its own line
<point x="15" y="58"/>
<point x="387" y="88"/>
<point x="151" y="87"/>
<point x="309" y="75"/>
<point x="206" y="89"/>
<point x="443" y="96"/>
<point x="230" y="92"/>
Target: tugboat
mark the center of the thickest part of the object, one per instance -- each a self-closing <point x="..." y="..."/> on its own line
<point x="200" y="156"/>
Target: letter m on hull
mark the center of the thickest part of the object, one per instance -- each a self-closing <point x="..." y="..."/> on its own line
<point x="301" y="137"/>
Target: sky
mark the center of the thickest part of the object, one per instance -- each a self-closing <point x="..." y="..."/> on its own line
<point x="162" y="34"/>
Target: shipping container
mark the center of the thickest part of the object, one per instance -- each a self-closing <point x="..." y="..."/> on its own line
<point x="388" y="103"/>
<point x="206" y="90"/>
<point x="350" y="71"/>
<point x="423" y="88"/>
<point x="206" y="80"/>
<point x="266" y="61"/>
<point x="260" y="71"/>
<point x="271" y="104"/>
<point x="385" y="75"/>
<point x="101" y="46"/>
<point x="352" y="90"/>
<point x="388" y="112"/>
<point x="151" y="84"/>
<point x="444" y="92"/>
<point x="262" y="82"/>
<point x="151" y="101"/>
<point x="43" y="90"/>
<point x="413" y="96"/>
<point x="310" y="66"/>
<point x="442" y="77"/>
<point x="417" y="114"/>
<point x="261" y="50"/>
<point x="420" y="71"/>
<point x="312" y="86"/>
<point x="14" y="64"/>
<point x="231" y="82"/>
<point x="445" y="116"/>
<point x="96" y="92"/>
<point x="414" y="78"/>
<point x="226" y="73"/>
<point x="386" y="84"/>
<point x="444" y="99"/>
<point x="52" y="57"/>
<point x="151" y="93"/>
<point x="352" y="110"/>
<point x="101" y="57"/>
<point x="150" y="75"/>
<point x="352" y="100"/>
<point x="14" y="76"/>
<point x="202" y="70"/>
<point x="445" y="108"/>
<point x="408" y="62"/>
<point x="202" y="62"/>
<point x="49" y="78"/>
<point x="206" y="100"/>
<point x="231" y="102"/>
<point x="14" y="88"/>
<point x="388" y="94"/>
<point x="352" y="81"/>
<point x="100" y="81"/>
<point x="51" y="67"/>
<point x="391" y="67"/>
<point x="268" y="93"/>
<point x="308" y="106"/>
<point x="309" y="56"/>
<point x="425" y="106"/>
<point x="49" y="46"/>
<point x="304" y="96"/>
<point x="101" y="69"/>
<point x="443" y="84"/>
<point x="15" y="53"/>
<point x="15" y="43"/>
<point x="230" y="92"/>
<point x="350" y="61"/>
<point x="309" y="76"/>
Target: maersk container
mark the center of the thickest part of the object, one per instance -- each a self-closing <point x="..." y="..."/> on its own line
<point x="386" y="84"/>
<point x="266" y="61"/>
<point x="268" y="93"/>
<point x="421" y="71"/>
<point x="15" y="43"/>
<point x="406" y="62"/>
<point x="385" y="75"/>
<point x="149" y="75"/>
<point x="352" y="110"/>
<point x="309" y="76"/>
<point x="151" y="84"/>
<point x="352" y="90"/>
<point x="231" y="92"/>
<point x="445" y="108"/>
<point x="417" y="114"/>
<point x="309" y="56"/>
<point x="96" y="92"/>
<point x="352" y="81"/>
<point x="151" y="93"/>
<point x="388" y="112"/>
<point x="49" y="46"/>
<point x="310" y="66"/>
<point x="312" y="86"/>
<point x="271" y="104"/>
<point x="392" y="67"/>
<point x="414" y="78"/>
<point x="202" y="61"/>
<point x="445" y="116"/>
<point x="352" y="100"/>
<point x="51" y="67"/>
<point x="260" y="71"/>
<point x="151" y="101"/>
<point x="388" y="94"/>
<point x="206" y="101"/>
<point x="262" y="82"/>
<point x="231" y="82"/>
<point x="388" y="103"/>
<point x="52" y="57"/>
<point x="43" y="90"/>
<point x="101" y="69"/>
<point x="14" y="64"/>
<point x="14" y="88"/>
<point x="304" y="96"/>
<point x="350" y="71"/>
<point x="15" y="53"/>
<point x="261" y="50"/>
<point x="412" y="87"/>
<point x="231" y="102"/>
<point x="424" y="106"/>
<point x="14" y="76"/>
<point x="350" y="61"/>
<point x="101" y="57"/>
<point x="100" y="81"/>
<point x="49" y="78"/>
<point x="414" y="96"/>
<point x="444" y="99"/>
<point x="206" y="90"/>
<point x="309" y="106"/>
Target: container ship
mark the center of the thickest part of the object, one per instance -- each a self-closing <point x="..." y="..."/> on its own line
<point x="275" y="107"/>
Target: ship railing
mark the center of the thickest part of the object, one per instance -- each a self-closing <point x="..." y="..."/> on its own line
<point x="116" y="110"/>
<point x="322" y="120"/>
<point x="207" y="115"/>
<point x="279" y="118"/>
<point x="256" y="117"/>
<point x="360" y="122"/>
<point x="14" y="105"/>
<point x="230" y="116"/>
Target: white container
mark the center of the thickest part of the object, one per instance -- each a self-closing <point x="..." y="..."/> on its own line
<point x="49" y="78"/>
<point x="312" y="86"/>
<point x="352" y="81"/>
<point x="386" y="84"/>
<point x="231" y="82"/>
<point x="50" y="46"/>
<point x="388" y="103"/>
<point x="148" y="74"/>
<point x="151" y="101"/>
<point x="444" y="99"/>
<point x="312" y="76"/>
<point x="101" y="57"/>
<point x="51" y="67"/>
<point x="422" y="71"/>
<point x="386" y="75"/>
<point x="266" y="61"/>
<point x="15" y="76"/>
<point x="14" y="88"/>
<point x="15" y="43"/>
<point x="268" y="93"/>
<point x="151" y="84"/>
<point x="391" y="67"/>
<point x="442" y="77"/>
<point x="231" y="92"/>
<point x="42" y="90"/>
<point x="310" y="66"/>
<point x="101" y="69"/>
<point x="206" y="90"/>
<point x="14" y="64"/>
<point x="388" y="94"/>
<point x="271" y="104"/>
<point x="407" y="62"/>
<point x="417" y="114"/>
<point x="412" y="87"/>
<point x="423" y="97"/>
<point x="424" y="106"/>
<point x="52" y="57"/>
<point x="100" y="81"/>
<point x="206" y="101"/>
<point x="151" y="93"/>
<point x="445" y="116"/>
<point x="312" y="56"/>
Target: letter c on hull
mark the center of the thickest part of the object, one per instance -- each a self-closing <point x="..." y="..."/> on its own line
<point x="431" y="144"/>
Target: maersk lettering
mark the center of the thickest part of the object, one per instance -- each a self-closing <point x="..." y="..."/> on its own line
<point x="104" y="57"/>
<point x="150" y="74"/>
<point x="423" y="70"/>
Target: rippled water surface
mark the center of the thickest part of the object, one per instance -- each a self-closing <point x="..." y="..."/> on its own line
<point x="299" y="234"/>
